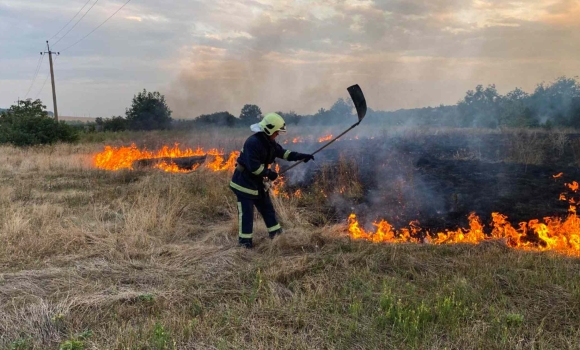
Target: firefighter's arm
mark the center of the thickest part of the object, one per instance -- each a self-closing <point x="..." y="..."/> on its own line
<point x="292" y="156"/>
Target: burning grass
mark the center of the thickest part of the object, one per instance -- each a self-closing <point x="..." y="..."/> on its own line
<point x="125" y="157"/>
<point x="147" y="259"/>
<point x="550" y="233"/>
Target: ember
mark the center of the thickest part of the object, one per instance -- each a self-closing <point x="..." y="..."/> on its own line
<point x="325" y="138"/>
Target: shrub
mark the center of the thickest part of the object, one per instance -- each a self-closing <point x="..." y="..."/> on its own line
<point x="149" y="111"/>
<point x="28" y="124"/>
<point x="114" y="124"/>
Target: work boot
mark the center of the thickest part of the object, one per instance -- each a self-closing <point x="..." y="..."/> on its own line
<point x="245" y="242"/>
<point x="274" y="233"/>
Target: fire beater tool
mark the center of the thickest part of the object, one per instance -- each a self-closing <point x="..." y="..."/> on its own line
<point x="360" y="104"/>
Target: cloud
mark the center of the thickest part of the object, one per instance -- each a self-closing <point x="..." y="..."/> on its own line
<point x="303" y="62"/>
<point x="563" y="13"/>
<point x="209" y="56"/>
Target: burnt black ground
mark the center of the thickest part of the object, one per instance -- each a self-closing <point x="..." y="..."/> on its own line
<point x="427" y="179"/>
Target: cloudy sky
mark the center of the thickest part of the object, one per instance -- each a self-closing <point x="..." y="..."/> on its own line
<point x="300" y="55"/>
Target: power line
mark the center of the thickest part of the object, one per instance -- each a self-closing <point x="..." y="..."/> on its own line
<point x="99" y="26"/>
<point x="77" y="22"/>
<point x="79" y="11"/>
<point x="38" y="64"/>
<point x="45" y="80"/>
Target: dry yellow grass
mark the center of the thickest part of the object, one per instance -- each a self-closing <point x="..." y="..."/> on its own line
<point x="91" y="259"/>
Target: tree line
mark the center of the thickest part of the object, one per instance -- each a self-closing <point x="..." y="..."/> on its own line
<point x="555" y="104"/>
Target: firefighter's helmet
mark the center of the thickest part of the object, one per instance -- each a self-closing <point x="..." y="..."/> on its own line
<point x="271" y="123"/>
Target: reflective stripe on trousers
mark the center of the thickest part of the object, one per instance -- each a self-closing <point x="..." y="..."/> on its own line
<point x="246" y="215"/>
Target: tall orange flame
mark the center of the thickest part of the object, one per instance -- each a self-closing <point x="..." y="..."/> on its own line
<point x="116" y="158"/>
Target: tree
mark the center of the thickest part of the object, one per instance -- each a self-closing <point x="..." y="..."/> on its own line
<point x="149" y="111"/>
<point x="555" y="101"/>
<point x="250" y="114"/>
<point x="115" y="123"/>
<point x="342" y="109"/>
<point x="28" y="123"/>
<point x="217" y="119"/>
<point x="575" y="112"/>
<point x="480" y="108"/>
<point x="514" y="110"/>
<point x="290" y="117"/>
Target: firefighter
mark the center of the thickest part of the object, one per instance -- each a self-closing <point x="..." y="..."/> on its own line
<point x="253" y="169"/>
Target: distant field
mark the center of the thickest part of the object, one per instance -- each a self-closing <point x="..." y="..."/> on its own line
<point x="78" y="119"/>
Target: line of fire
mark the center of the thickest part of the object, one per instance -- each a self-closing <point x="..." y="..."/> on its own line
<point x="551" y="233"/>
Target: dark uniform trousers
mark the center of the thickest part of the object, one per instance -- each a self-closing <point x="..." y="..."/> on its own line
<point x="246" y="214"/>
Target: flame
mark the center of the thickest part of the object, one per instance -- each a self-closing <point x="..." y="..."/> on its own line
<point x="551" y="233"/>
<point x="116" y="158"/>
<point x="219" y="165"/>
<point x="325" y="138"/>
<point x="557" y="176"/>
<point x="173" y="168"/>
<point x="278" y="187"/>
<point x="573" y="186"/>
<point x="279" y="183"/>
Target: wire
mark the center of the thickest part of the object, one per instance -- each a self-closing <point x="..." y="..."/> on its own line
<point x="79" y="11"/>
<point x="99" y="26"/>
<point x="39" y="91"/>
<point x="45" y="80"/>
<point x="38" y="64"/>
<point x="77" y="22"/>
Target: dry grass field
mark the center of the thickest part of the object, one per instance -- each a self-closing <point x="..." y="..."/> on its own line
<point x="94" y="259"/>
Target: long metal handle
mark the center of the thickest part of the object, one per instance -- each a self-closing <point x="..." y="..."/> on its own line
<point x="321" y="148"/>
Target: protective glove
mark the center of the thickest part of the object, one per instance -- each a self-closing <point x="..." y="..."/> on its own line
<point x="305" y="157"/>
<point x="272" y="175"/>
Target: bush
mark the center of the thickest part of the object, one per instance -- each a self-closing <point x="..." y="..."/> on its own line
<point x="149" y="111"/>
<point x="217" y="119"/>
<point x="114" y="124"/>
<point x="28" y="124"/>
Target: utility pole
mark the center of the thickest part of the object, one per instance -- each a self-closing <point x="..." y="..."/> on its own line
<point x="52" y="79"/>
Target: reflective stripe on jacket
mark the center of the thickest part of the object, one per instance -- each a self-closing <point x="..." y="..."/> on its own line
<point x="254" y="160"/>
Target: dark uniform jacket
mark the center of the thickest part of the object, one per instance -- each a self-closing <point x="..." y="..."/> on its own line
<point x="253" y="164"/>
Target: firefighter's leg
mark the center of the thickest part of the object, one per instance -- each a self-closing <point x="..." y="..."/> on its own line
<point x="245" y="221"/>
<point x="266" y="209"/>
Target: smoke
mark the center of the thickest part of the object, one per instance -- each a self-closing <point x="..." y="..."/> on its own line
<point x="223" y="83"/>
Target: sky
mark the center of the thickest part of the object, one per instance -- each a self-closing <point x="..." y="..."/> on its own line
<point x="283" y="55"/>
